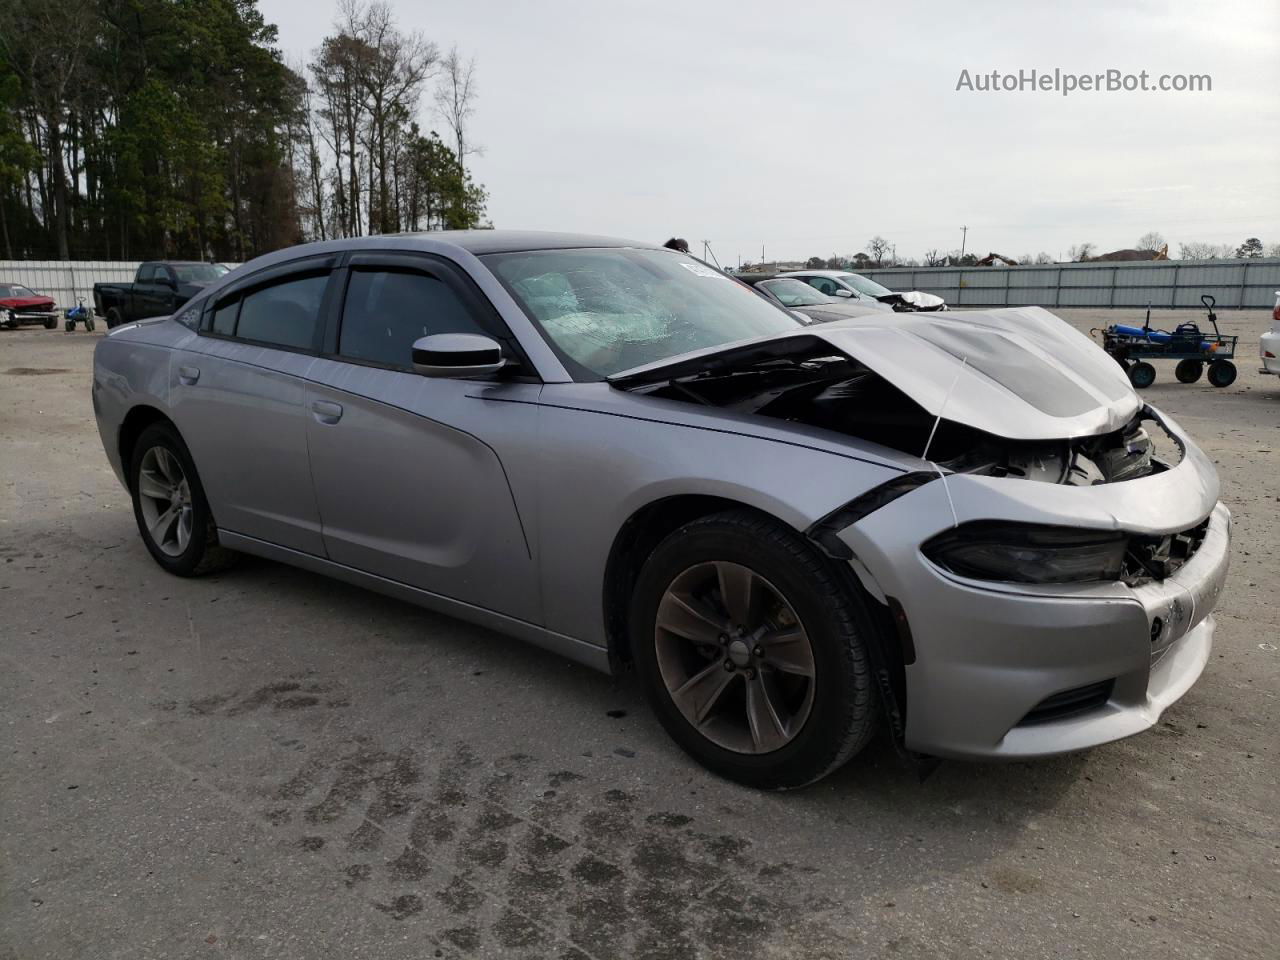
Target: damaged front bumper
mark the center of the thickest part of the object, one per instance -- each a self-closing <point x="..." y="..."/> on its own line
<point x="1010" y="670"/>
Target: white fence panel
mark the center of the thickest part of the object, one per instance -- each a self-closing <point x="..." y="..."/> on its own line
<point x="66" y="280"/>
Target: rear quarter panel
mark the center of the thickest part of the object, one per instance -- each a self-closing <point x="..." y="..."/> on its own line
<point x="131" y="369"/>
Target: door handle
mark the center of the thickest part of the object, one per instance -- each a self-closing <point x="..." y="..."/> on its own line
<point x="326" y="411"/>
<point x="188" y="375"/>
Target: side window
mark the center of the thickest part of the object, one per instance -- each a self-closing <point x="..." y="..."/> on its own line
<point x="286" y="314"/>
<point x="146" y="273"/>
<point x="224" y="318"/>
<point x="386" y="311"/>
<point x="823" y="285"/>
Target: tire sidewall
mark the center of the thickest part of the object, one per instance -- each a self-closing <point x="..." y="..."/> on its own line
<point x="164" y="435"/>
<point x="808" y="755"/>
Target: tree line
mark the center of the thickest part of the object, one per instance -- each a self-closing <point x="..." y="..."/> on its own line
<point x="880" y="252"/>
<point x="138" y="129"/>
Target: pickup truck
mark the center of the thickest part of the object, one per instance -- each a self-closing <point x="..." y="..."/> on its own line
<point x="159" y="288"/>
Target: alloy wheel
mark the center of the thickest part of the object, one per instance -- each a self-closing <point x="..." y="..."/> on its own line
<point x="164" y="496"/>
<point x="734" y="657"/>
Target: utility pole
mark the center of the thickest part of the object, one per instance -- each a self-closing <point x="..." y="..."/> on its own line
<point x="964" y="235"/>
<point x="709" y="254"/>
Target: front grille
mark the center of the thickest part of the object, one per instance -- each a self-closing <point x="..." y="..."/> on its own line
<point x="1069" y="703"/>
<point x="1160" y="557"/>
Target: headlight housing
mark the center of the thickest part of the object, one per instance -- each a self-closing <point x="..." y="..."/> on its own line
<point x="1013" y="552"/>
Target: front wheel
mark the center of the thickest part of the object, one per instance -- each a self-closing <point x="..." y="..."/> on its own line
<point x="753" y="651"/>
<point x="1142" y="374"/>
<point x="169" y="504"/>
<point x="1222" y="373"/>
<point x="88" y="324"/>
<point x="1188" y="371"/>
<point x="51" y="323"/>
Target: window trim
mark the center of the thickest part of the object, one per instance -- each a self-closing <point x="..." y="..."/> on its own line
<point x="325" y="265"/>
<point x="481" y="309"/>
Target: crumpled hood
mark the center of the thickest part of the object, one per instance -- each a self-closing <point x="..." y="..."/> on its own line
<point x="1019" y="373"/>
<point x="26" y="303"/>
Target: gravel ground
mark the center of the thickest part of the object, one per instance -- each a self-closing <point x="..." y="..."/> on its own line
<point x="271" y="764"/>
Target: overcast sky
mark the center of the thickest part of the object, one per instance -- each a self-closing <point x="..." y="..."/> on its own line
<point x="811" y="127"/>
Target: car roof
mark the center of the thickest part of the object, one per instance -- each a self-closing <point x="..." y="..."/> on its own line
<point x="512" y="241"/>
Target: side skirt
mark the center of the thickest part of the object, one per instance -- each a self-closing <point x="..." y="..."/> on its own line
<point x="579" y="651"/>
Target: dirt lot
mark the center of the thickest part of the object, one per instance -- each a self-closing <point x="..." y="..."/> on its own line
<point x="271" y="764"/>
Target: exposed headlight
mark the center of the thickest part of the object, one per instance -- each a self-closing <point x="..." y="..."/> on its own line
<point x="1028" y="553"/>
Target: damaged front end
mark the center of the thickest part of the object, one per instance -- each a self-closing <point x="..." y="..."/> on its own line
<point x="803" y="381"/>
<point x="815" y="381"/>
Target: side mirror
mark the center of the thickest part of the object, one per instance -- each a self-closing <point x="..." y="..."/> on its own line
<point x="842" y="292"/>
<point x="457" y="355"/>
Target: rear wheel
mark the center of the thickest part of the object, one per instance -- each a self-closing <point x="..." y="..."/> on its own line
<point x="1188" y="371"/>
<point x="1142" y="374"/>
<point x="1222" y="373"/>
<point x="88" y="324"/>
<point x="114" y="319"/>
<point x="752" y="651"/>
<point x="169" y="504"/>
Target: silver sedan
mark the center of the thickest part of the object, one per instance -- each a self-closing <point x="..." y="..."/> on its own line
<point x="968" y="532"/>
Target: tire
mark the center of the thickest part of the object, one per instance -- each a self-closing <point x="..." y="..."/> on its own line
<point x="51" y="323"/>
<point x="1222" y="373"/>
<point x="808" y="609"/>
<point x="89" y="324"/>
<point x="70" y="326"/>
<point x="1188" y="371"/>
<point x="163" y="456"/>
<point x="113" y="318"/>
<point x="1142" y="375"/>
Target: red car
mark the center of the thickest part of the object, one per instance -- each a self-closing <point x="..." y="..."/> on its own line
<point x="19" y="305"/>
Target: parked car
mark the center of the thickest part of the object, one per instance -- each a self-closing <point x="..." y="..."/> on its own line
<point x="1269" y="346"/>
<point x="798" y="297"/>
<point x="20" y="305"/>
<point x="842" y="283"/>
<point x="793" y="534"/>
<point x="158" y="289"/>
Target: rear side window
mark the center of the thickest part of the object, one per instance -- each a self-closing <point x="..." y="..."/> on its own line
<point x="146" y="273"/>
<point x="387" y="310"/>
<point x="286" y="314"/>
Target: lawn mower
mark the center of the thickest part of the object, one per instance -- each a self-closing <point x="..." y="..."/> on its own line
<point x="1193" y="348"/>
<point x="78" y="314"/>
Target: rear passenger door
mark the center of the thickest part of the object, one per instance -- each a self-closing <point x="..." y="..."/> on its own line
<point x="238" y="394"/>
<point x="409" y="470"/>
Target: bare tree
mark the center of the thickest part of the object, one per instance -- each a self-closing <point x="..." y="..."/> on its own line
<point x="932" y="258"/>
<point x="879" y="246"/>
<point x="455" y="98"/>
<point x="1043" y="257"/>
<point x="390" y="79"/>
<point x="1151" y="240"/>
<point x="1081" y="252"/>
<point x="1198" y="250"/>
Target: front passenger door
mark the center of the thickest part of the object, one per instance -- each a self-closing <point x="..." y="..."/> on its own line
<point x="409" y="470"/>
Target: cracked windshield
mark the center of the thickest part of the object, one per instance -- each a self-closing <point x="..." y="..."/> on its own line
<point x="608" y="310"/>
